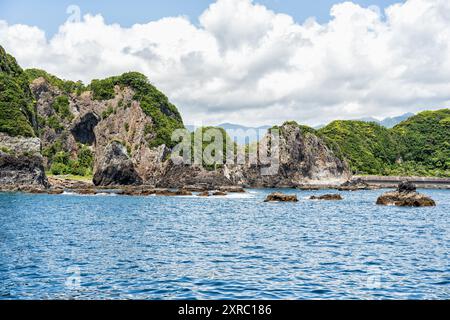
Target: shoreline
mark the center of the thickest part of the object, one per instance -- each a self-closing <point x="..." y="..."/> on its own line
<point x="62" y="184"/>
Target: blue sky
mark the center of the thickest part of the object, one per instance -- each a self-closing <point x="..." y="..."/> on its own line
<point x="246" y="63"/>
<point x="49" y="14"/>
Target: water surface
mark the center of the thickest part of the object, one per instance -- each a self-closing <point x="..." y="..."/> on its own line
<point x="237" y="247"/>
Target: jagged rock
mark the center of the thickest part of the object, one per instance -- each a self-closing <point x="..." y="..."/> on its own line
<point x="406" y="196"/>
<point x="355" y="185"/>
<point x="115" y="167"/>
<point x="308" y="188"/>
<point x="280" y="197"/>
<point x="232" y="189"/>
<point x="55" y="191"/>
<point x="21" y="163"/>
<point x="33" y="189"/>
<point x="86" y="191"/>
<point x="179" y="175"/>
<point x="332" y="197"/>
<point x="406" y="187"/>
<point x="219" y="193"/>
<point x="183" y="192"/>
<point x="300" y="158"/>
<point x="62" y="183"/>
<point x="411" y="199"/>
<point x="195" y="188"/>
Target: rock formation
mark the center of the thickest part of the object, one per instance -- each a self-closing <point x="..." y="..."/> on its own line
<point x="406" y="196"/>
<point x="303" y="158"/>
<point x="115" y="167"/>
<point x="332" y="197"/>
<point x="354" y="185"/>
<point x="280" y="197"/>
<point x="21" y="163"/>
<point x="119" y="129"/>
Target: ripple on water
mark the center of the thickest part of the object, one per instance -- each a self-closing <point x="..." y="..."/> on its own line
<point x="237" y="246"/>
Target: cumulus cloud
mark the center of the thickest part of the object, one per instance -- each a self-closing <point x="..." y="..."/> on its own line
<point x="247" y="64"/>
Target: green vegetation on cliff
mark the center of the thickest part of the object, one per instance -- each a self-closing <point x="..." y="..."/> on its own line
<point x="367" y="146"/>
<point x="62" y="163"/>
<point x="17" y="107"/>
<point x="418" y="146"/>
<point x="425" y="140"/>
<point x="65" y="86"/>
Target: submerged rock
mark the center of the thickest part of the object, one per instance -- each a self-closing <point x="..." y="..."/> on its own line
<point x="219" y="193"/>
<point x="332" y="197"/>
<point x="406" y="196"/>
<point x="86" y="191"/>
<point x="280" y="197"/>
<point x="183" y="192"/>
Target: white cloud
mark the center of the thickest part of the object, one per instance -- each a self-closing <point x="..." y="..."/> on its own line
<point x="244" y="63"/>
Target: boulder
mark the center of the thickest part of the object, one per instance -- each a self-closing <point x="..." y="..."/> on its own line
<point x="86" y="191"/>
<point x="332" y="197"/>
<point x="280" y="197"/>
<point x="183" y="192"/>
<point x="203" y="194"/>
<point x="219" y="193"/>
<point x="55" y="191"/>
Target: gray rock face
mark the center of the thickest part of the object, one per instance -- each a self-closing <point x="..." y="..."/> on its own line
<point x="303" y="158"/>
<point x="115" y="167"/>
<point x="406" y="187"/>
<point x="180" y="175"/>
<point x="21" y="164"/>
<point x="119" y="134"/>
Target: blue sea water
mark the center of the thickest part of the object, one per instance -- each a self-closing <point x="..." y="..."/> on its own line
<point x="236" y="247"/>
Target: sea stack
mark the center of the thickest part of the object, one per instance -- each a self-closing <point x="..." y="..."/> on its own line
<point x="406" y="196"/>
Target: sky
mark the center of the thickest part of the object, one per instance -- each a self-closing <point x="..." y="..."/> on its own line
<point x="248" y="62"/>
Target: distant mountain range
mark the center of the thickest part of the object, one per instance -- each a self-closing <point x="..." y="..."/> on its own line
<point x="240" y="133"/>
<point x="256" y="133"/>
<point x="389" y="122"/>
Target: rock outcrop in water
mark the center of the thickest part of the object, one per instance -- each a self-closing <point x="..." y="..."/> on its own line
<point x="355" y="185"/>
<point x="328" y="197"/>
<point x="406" y="196"/>
<point x="281" y="197"/>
